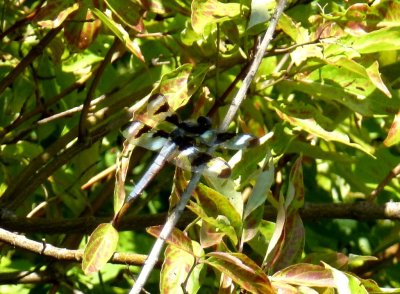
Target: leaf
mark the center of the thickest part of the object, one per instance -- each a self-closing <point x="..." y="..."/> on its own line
<point x="53" y="14"/>
<point x="82" y="29"/>
<point x="293" y="29"/>
<point x="220" y="222"/>
<point x="254" y="208"/>
<point x="295" y="195"/>
<point x="304" y="274"/>
<point x="335" y="259"/>
<point x="209" y="235"/>
<point x="346" y="283"/>
<point x="287" y="242"/>
<point x="180" y="84"/>
<point x="386" y="39"/>
<point x="176" y="267"/>
<point x="216" y="204"/>
<point x="120" y="33"/>
<point x="375" y="77"/>
<point x="129" y="12"/>
<point x="311" y="126"/>
<point x="205" y="12"/>
<point x="393" y="136"/>
<point x="260" y="15"/>
<point x="99" y="249"/>
<point x="242" y="270"/>
<point x="177" y="238"/>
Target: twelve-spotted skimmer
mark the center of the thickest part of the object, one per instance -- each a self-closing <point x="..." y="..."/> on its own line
<point x="184" y="143"/>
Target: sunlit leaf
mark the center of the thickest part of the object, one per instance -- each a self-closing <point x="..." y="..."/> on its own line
<point x="312" y="127"/>
<point x="177" y="238"/>
<point x="216" y="204"/>
<point x="306" y="275"/>
<point x="176" y="268"/>
<point x="346" y="283"/>
<point x="393" y="136"/>
<point x="179" y="84"/>
<point x="99" y="249"/>
<point x="242" y="270"/>
<point x="129" y="12"/>
<point x="55" y="12"/>
<point x="120" y="33"/>
<point x="205" y="12"/>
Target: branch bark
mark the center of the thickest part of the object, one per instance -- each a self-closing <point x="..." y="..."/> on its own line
<point x="362" y="211"/>
<point x="63" y="254"/>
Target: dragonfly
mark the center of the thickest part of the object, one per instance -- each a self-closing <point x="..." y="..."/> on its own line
<point x="183" y="143"/>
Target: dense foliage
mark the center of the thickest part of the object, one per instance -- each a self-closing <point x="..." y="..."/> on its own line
<point x="314" y="208"/>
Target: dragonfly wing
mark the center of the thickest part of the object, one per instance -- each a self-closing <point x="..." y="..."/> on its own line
<point x="150" y="141"/>
<point x="228" y="140"/>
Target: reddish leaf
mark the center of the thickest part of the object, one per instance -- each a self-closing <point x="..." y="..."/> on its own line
<point x="304" y="274"/>
<point x="82" y="30"/>
<point x="393" y="136"/>
<point x="177" y="238"/>
<point x="242" y="270"/>
<point x="295" y="194"/>
<point x="335" y="259"/>
<point x="99" y="249"/>
<point x="55" y="12"/>
<point x="209" y="236"/>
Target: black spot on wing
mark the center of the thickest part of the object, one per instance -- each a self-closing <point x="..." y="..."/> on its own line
<point x="163" y="108"/>
<point x="223" y="137"/>
<point x="201" y="158"/>
<point x="143" y="129"/>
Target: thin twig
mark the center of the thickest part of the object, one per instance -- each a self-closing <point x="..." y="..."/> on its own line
<point x="241" y="94"/>
<point x="177" y="212"/>
<point x="392" y="174"/>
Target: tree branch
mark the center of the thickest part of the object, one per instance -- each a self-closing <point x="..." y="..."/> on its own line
<point x="48" y="250"/>
<point x="361" y="211"/>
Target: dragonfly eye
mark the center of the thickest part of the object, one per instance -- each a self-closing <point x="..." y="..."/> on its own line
<point x="204" y="122"/>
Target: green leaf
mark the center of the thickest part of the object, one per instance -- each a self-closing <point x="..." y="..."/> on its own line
<point x="260" y="15"/>
<point x="128" y="11"/>
<point x="386" y="39"/>
<point x="180" y="84"/>
<point x="242" y="270"/>
<point x="99" y="249"/>
<point x="346" y="283"/>
<point x="216" y="204"/>
<point x="206" y="12"/>
<point x="312" y="127"/>
<point x="120" y="32"/>
<point x="260" y="191"/>
<point x="20" y="151"/>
